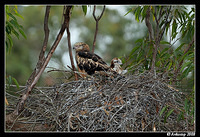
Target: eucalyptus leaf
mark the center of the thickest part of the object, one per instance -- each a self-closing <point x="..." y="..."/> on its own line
<point x="84" y="8"/>
<point x="163" y="109"/>
<point x="15" y="81"/>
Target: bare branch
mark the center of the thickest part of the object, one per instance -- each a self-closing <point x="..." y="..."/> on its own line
<point x="97" y="20"/>
<point x="68" y="15"/>
<point x="46" y="32"/>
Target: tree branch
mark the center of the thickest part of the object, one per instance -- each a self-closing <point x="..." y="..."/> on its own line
<point x="38" y="71"/>
<point x="68" y="15"/>
<point x="159" y="35"/>
<point x="97" y="21"/>
<point x="46" y="33"/>
<point x="148" y="24"/>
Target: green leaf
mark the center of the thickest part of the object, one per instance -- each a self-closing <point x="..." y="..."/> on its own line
<point x="23" y="34"/>
<point x="9" y="39"/>
<point x="170" y="64"/>
<point x="17" y="14"/>
<point x="163" y="109"/>
<point x="174" y="29"/>
<point x="158" y="64"/>
<point x="16" y="83"/>
<point x="140" y="55"/>
<point x="183" y="57"/>
<point x="186" y="71"/>
<point x="167" y="28"/>
<point x="139" y="41"/>
<point x="14" y="23"/>
<point x="164" y="42"/>
<point x="9" y="80"/>
<point x="8" y="29"/>
<point x="134" y="49"/>
<point x="179" y="47"/>
<point x="185" y="65"/>
<point x="84" y="8"/>
<point x="164" y="50"/>
<point x="144" y="12"/>
<point x="12" y="16"/>
<point x="169" y="113"/>
<point x="186" y="106"/>
<point x="15" y="32"/>
<point x="129" y="11"/>
<point x="181" y="116"/>
<point x="137" y="13"/>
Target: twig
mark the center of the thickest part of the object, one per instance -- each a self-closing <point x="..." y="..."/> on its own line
<point x="97" y="21"/>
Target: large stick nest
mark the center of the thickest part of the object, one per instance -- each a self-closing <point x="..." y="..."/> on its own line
<point x="129" y="103"/>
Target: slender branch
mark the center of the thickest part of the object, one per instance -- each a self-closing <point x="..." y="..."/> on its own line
<point x="68" y="15"/>
<point x="46" y="32"/>
<point x="97" y="21"/>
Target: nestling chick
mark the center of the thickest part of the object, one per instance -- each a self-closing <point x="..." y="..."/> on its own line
<point x="115" y="65"/>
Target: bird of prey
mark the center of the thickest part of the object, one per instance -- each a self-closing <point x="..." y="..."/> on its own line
<point x="87" y="62"/>
<point x="116" y="66"/>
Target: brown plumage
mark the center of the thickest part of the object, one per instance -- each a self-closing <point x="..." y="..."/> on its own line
<point x="116" y="66"/>
<point x="88" y="62"/>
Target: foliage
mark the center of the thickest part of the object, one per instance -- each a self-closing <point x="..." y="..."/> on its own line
<point x="176" y="63"/>
<point x="12" y="26"/>
<point x="10" y="80"/>
<point x="181" y="26"/>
